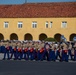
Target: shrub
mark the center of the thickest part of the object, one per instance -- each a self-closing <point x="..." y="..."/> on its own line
<point x="50" y="39"/>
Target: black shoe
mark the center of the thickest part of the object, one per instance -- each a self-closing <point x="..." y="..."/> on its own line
<point x="8" y="59"/>
<point x="3" y="59"/>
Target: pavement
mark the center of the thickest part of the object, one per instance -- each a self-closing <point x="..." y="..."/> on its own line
<point x="22" y="67"/>
<point x="9" y="67"/>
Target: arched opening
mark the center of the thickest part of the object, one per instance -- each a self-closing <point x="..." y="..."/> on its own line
<point x="13" y="36"/>
<point x="1" y="37"/>
<point x="28" y="37"/>
<point x="57" y="37"/>
<point x="42" y="36"/>
<point x="72" y="36"/>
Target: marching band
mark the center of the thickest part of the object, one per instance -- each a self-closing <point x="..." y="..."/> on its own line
<point x="38" y="50"/>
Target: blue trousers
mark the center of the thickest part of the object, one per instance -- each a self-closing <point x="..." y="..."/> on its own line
<point x="58" y="55"/>
<point x="70" y="54"/>
<point x="64" y="56"/>
<point x="38" y="55"/>
<point x="42" y="55"/>
<point x="26" y="55"/>
<point x="6" y="52"/>
<point x="75" y="55"/>
<point x="19" y="55"/>
<point x="52" y="55"/>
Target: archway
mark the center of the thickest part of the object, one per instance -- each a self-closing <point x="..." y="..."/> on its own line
<point x="28" y="37"/>
<point x="72" y="36"/>
<point x="57" y="37"/>
<point x="1" y="37"/>
<point x="42" y="36"/>
<point x="13" y="36"/>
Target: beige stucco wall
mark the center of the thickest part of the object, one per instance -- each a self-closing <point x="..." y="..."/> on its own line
<point x="35" y="32"/>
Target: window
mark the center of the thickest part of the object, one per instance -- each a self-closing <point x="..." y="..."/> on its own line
<point x="6" y="24"/>
<point x="34" y="24"/>
<point x="51" y="24"/>
<point x="46" y="24"/>
<point x="20" y="24"/>
<point x="64" y="24"/>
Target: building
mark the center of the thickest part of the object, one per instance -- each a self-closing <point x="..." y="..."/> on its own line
<point x="37" y="21"/>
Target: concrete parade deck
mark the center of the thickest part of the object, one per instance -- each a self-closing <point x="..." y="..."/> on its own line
<point x="22" y="67"/>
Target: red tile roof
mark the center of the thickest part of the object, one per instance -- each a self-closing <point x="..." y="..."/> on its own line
<point x="39" y="10"/>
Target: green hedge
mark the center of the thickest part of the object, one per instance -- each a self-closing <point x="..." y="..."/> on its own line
<point x="50" y="39"/>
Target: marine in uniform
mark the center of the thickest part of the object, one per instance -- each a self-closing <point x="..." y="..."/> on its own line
<point x="6" y="48"/>
<point x="65" y="52"/>
<point x="74" y="51"/>
<point x="52" y="56"/>
<point x="14" y="51"/>
<point x="70" y="51"/>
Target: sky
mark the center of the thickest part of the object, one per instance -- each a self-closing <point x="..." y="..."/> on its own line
<point x="31" y="1"/>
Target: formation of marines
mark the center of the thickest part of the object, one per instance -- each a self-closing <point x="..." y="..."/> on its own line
<point x="38" y="50"/>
